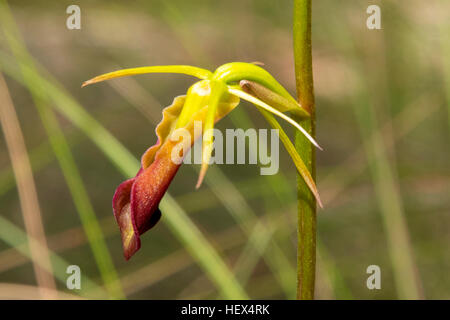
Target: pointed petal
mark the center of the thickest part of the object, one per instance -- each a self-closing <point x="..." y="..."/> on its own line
<point x="256" y="101"/>
<point x="273" y="99"/>
<point x="300" y="165"/>
<point x="188" y="70"/>
<point x="217" y="91"/>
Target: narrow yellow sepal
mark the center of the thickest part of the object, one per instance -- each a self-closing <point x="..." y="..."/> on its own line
<point x="188" y="70"/>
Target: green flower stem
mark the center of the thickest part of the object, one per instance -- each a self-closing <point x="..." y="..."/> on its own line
<point x="306" y="249"/>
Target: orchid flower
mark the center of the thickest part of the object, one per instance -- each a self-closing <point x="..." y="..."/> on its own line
<point x="136" y="201"/>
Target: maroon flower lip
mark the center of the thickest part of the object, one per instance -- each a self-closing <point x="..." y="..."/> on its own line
<point x="136" y="201"/>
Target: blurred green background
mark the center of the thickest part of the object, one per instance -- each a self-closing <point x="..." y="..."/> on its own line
<point x="383" y="103"/>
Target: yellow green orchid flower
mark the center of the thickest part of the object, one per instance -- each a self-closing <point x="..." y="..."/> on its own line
<point x="135" y="202"/>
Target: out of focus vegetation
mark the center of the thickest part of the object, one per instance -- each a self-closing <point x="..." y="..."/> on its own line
<point x="383" y="105"/>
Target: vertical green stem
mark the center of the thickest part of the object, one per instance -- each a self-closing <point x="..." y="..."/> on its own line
<point x="306" y="249"/>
